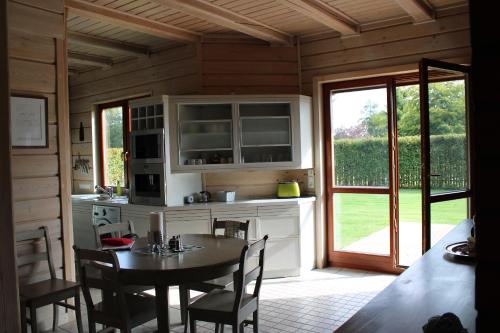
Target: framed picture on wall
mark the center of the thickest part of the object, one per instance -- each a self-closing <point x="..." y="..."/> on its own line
<point x="29" y="124"/>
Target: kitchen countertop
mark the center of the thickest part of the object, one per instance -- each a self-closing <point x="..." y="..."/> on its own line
<point x="118" y="201"/>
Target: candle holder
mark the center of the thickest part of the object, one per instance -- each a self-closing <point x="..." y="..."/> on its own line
<point x="156" y="242"/>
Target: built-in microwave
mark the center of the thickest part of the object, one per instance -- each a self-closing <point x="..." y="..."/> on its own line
<point x="147" y="184"/>
<point x="147" y="146"/>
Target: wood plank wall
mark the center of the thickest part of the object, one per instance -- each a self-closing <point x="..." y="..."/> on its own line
<point x="445" y="38"/>
<point x="173" y="71"/>
<point x="249" y="68"/>
<point x="35" y="27"/>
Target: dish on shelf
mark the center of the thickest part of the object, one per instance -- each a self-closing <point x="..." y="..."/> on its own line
<point x="460" y="249"/>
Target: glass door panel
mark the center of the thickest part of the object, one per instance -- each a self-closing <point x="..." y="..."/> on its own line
<point x="361" y="223"/>
<point x="205" y="134"/>
<point x="265" y="132"/>
<point x="445" y="148"/>
<point x="360" y="176"/>
<point x="410" y="185"/>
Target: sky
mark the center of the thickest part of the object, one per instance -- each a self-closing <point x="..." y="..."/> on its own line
<point x="347" y="106"/>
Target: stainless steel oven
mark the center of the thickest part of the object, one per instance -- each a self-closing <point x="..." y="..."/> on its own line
<point x="148" y="146"/>
<point x="147" y="183"/>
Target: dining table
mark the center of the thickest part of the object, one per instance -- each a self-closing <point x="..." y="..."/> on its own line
<point x="205" y="257"/>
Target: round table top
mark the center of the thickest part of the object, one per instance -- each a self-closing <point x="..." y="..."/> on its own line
<point x="218" y="256"/>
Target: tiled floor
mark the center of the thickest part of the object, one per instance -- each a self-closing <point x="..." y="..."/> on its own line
<point x="318" y="301"/>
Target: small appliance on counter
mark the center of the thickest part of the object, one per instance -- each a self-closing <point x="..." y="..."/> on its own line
<point x="225" y="196"/>
<point x="288" y="189"/>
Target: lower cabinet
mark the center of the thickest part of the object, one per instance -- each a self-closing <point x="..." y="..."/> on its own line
<point x="282" y="258"/>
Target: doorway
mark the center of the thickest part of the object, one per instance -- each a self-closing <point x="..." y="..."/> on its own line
<point x="390" y="164"/>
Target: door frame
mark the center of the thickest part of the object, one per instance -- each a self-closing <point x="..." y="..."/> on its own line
<point x="427" y="198"/>
<point x="351" y="259"/>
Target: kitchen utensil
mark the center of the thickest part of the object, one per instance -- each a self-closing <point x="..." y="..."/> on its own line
<point x="288" y="189"/>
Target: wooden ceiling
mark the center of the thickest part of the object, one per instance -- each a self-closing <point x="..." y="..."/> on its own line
<point x="104" y="32"/>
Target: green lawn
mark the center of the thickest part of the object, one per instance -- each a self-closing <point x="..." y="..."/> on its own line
<point x="359" y="215"/>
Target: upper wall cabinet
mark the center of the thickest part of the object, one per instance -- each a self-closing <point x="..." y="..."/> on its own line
<point x="216" y="133"/>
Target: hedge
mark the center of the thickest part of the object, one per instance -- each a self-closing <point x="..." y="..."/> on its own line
<point x="364" y="162"/>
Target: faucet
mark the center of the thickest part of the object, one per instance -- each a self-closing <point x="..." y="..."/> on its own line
<point x="108" y="190"/>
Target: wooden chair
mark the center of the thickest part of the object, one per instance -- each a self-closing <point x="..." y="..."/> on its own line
<point x="52" y="291"/>
<point x="233" y="307"/>
<point x="233" y="229"/>
<point x="115" y="229"/>
<point x="100" y="270"/>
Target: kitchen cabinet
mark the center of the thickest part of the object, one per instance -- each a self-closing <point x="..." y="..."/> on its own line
<point x="289" y="223"/>
<point x="214" y="133"/>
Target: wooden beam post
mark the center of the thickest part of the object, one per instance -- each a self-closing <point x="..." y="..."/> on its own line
<point x="129" y="21"/>
<point x="226" y="18"/>
<point x="419" y="10"/>
<point x="9" y="298"/>
<point x="324" y="14"/>
<point x="107" y="44"/>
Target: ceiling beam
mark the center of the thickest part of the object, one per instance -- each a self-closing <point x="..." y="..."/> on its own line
<point x="226" y="18"/>
<point x="89" y="60"/>
<point x="129" y="21"/>
<point x="419" y="10"/>
<point x="107" y="44"/>
<point x="324" y="14"/>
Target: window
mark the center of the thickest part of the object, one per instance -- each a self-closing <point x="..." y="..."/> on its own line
<point x="114" y="131"/>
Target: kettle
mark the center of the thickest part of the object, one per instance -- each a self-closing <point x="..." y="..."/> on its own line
<point x="289" y="189"/>
<point x="204" y="196"/>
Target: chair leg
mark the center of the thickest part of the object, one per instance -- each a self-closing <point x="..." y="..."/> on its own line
<point x="78" y="311"/>
<point x="24" y="329"/>
<point x="236" y="328"/>
<point x="184" y="302"/>
<point x="216" y="327"/>
<point x="242" y="328"/>
<point x="34" y="328"/>
<point x="55" y="316"/>
<point x="221" y="328"/>
<point x="192" y="325"/>
<point x="92" y="328"/>
<point x="256" y="322"/>
<point x="186" y="322"/>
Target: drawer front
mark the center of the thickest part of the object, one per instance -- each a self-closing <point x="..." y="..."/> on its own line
<point x="236" y="212"/>
<point x="187" y="215"/>
<point x="278" y="210"/>
<point x="185" y="227"/>
<point x="282" y="254"/>
<point x="279" y="227"/>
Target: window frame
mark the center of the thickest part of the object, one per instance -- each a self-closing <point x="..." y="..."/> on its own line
<point x="126" y="133"/>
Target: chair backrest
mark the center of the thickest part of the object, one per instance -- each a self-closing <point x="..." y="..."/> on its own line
<point x="32" y="258"/>
<point x="115" y="229"/>
<point x="246" y="274"/>
<point x="100" y="270"/>
<point x="233" y="229"/>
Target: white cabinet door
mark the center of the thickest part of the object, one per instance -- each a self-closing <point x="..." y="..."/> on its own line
<point x="83" y="230"/>
<point x="280" y="227"/>
<point x="282" y="258"/>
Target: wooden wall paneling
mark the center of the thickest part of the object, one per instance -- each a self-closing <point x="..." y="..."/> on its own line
<point x="35" y="21"/>
<point x="83" y="186"/>
<point x="32" y="76"/>
<point x="9" y="299"/>
<point x="163" y="57"/>
<point x="161" y="72"/>
<point x="35" y="188"/>
<point x="77" y="118"/>
<point x="81" y="148"/>
<point x="34" y="166"/>
<point x="39" y="209"/>
<point x="29" y="47"/>
<point x="253" y="183"/>
<point x="87" y="133"/>
<point x="385" y="35"/>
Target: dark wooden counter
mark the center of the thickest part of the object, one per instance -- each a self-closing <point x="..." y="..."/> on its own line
<point x="434" y="284"/>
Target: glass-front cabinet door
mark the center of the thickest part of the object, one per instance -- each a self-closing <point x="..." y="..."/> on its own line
<point x="265" y="133"/>
<point x="205" y="134"/>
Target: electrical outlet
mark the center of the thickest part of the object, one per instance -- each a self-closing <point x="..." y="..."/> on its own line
<point x="310" y="178"/>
